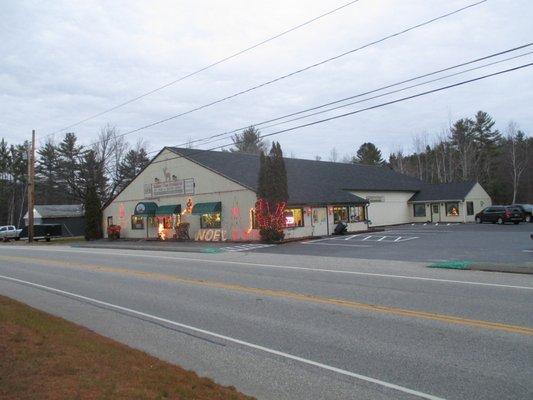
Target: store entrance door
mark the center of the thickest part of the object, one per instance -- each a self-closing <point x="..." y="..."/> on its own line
<point x="435" y="212"/>
<point x="319" y="220"/>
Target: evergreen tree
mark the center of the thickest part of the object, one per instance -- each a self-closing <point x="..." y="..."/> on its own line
<point x="46" y="174"/>
<point x="249" y="142"/>
<point x="368" y="154"/>
<point x="272" y="194"/>
<point x="487" y="140"/>
<point x="69" y="166"/>
<point x="134" y="162"/>
<point x="91" y="182"/>
<point x="93" y="214"/>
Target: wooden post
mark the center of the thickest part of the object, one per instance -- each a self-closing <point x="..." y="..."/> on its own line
<point x="31" y="186"/>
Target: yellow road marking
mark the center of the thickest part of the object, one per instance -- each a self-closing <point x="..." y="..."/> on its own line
<point x="278" y="294"/>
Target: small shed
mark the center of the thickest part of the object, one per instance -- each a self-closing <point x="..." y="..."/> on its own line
<point x="69" y="216"/>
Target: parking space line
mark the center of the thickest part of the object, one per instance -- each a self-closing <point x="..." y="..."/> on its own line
<point x="380" y="239"/>
<point x="397" y="239"/>
<point x="368" y="237"/>
<point x="339" y="244"/>
<point x="351" y="237"/>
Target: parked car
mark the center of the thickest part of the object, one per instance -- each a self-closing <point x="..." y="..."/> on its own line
<point x="500" y="215"/>
<point x="527" y="209"/>
<point x="9" y="232"/>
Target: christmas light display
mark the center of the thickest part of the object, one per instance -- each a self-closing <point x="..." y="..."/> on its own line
<point x="270" y="217"/>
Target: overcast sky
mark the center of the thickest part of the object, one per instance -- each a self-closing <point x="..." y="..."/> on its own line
<point x="62" y="61"/>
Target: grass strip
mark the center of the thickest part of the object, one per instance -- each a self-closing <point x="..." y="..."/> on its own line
<point x="46" y="357"/>
<point x="452" y="265"/>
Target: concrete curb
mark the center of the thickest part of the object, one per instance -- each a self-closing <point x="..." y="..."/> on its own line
<point x="180" y="249"/>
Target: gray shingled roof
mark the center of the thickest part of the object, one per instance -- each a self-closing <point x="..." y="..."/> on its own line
<point x="443" y="191"/>
<point x="60" y="211"/>
<point x="310" y="182"/>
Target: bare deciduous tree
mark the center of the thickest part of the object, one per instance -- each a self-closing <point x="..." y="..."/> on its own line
<point x="517" y="153"/>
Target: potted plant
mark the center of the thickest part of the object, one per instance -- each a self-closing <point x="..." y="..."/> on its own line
<point x="113" y="232"/>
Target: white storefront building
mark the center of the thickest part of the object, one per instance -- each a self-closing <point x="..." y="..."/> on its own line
<point x="214" y="195"/>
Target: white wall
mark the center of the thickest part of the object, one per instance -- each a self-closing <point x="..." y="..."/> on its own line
<point x="209" y="187"/>
<point x="477" y="195"/>
<point x="392" y="210"/>
<point x="480" y="198"/>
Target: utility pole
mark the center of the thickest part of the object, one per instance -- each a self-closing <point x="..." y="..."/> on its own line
<point x="31" y="186"/>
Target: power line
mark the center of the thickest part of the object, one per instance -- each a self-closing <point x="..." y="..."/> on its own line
<point x="413" y="27"/>
<point x="220" y="136"/>
<point x="238" y="53"/>
<point x="361" y="110"/>
<point x="203" y="140"/>
<point x="398" y="90"/>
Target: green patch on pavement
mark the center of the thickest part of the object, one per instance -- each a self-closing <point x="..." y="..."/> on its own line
<point x="211" y="250"/>
<point x="452" y="264"/>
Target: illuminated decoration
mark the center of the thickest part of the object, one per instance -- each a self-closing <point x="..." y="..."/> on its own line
<point x="161" y="231"/>
<point x="330" y="210"/>
<point x="211" y="235"/>
<point x="252" y="217"/>
<point x="308" y="211"/>
<point x="235" y="212"/>
<point x="270" y="217"/>
<point x="121" y="211"/>
<point x="188" y="206"/>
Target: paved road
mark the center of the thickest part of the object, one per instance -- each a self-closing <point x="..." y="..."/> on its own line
<point x="486" y="243"/>
<point x="296" y="327"/>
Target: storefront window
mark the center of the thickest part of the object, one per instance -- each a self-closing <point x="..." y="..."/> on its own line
<point x="153" y="222"/>
<point x="357" y="213"/>
<point x="469" y="208"/>
<point x="452" y="209"/>
<point x="210" y="221"/>
<point x="340" y="214"/>
<point x="419" y="210"/>
<point x="294" y="217"/>
<point x="137" y="222"/>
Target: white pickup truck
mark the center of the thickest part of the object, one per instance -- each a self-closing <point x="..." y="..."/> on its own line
<point x="9" y="232"/>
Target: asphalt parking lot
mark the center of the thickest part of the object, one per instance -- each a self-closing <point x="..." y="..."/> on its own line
<point x="486" y="243"/>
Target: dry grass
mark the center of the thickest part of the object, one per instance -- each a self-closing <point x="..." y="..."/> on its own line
<point x="46" y="357"/>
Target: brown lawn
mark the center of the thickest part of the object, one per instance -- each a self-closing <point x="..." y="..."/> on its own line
<point x="45" y="357"/>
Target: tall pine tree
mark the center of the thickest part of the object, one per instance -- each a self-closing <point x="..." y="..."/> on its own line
<point x="272" y="194"/>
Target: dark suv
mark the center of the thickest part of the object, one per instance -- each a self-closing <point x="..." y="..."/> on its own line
<point x="527" y="210"/>
<point x="500" y="215"/>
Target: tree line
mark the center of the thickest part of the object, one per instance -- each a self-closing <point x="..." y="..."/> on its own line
<point x="471" y="149"/>
<point x="68" y="172"/>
